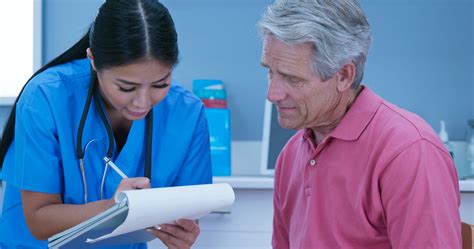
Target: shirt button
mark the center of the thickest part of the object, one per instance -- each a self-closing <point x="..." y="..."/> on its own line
<point x="312" y="162"/>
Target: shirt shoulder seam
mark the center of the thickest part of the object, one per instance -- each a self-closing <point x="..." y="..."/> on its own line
<point x="406" y="147"/>
<point x="404" y="118"/>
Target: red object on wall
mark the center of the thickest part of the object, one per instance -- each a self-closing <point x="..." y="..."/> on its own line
<point x="215" y="103"/>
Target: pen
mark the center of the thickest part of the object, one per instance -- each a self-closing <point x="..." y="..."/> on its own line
<point x="114" y="167"/>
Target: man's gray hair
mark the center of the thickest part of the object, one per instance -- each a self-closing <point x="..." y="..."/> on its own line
<point x="337" y="29"/>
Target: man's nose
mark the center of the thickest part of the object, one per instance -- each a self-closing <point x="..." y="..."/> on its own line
<point x="276" y="91"/>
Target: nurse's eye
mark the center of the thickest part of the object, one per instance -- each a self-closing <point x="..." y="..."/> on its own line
<point x="127" y="90"/>
<point x="165" y="85"/>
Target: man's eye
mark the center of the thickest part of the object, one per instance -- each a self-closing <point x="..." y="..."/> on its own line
<point x="127" y="90"/>
<point x="161" y="86"/>
<point x="294" y="80"/>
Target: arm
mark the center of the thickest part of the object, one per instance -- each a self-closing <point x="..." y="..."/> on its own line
<point x="46" y="215"/>
<point x="420" y="195"/>
<point x="38" y="170"/>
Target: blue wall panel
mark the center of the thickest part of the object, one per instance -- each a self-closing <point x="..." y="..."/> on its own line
<point x="421" y="59"/>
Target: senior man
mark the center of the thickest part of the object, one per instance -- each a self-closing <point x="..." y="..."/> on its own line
<point x="360" y="172"/>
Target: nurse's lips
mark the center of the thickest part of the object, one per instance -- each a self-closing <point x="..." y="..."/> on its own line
<point x="137" y="114"/>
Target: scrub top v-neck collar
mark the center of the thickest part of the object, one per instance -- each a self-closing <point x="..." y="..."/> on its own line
<point x="128" y="159"/>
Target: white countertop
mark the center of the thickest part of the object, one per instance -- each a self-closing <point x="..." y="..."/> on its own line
<point x="7" y="101"/>
<point x="466" y="185"/>
<point x="246" y="182"/>
<point x="266" y="182"/>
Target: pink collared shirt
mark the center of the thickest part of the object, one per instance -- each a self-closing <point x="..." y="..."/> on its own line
<point x="381" y="179"/>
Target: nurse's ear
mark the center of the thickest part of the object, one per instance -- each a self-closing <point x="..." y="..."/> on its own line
<point x="90" y="56"/>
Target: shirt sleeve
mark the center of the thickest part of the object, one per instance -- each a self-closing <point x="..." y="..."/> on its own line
<point x="37" y="155"/>
<point x="420" y="195"/>
<point x="280" y="231"/>
<point x="197" y="167"/>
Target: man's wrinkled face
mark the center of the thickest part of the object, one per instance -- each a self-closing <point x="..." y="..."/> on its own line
<point x="302" y="99"/>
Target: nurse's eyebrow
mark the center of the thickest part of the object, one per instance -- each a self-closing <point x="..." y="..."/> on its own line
<point x="134" y="83"/>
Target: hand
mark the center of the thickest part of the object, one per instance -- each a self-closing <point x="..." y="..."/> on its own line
<point x="133" y="183"/>
<point x="180" y="235"/>
<point x="129" y="184"/>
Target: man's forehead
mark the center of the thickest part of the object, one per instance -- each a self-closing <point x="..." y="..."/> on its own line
<point x="272" y="43"/>
<point x="281" y="52"/>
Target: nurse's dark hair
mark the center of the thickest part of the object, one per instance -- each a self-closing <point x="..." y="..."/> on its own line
<point x="123" y="32"/>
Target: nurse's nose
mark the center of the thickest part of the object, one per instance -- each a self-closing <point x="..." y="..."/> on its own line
<point x="142" y="99"/>
<point x="276" y="90"/>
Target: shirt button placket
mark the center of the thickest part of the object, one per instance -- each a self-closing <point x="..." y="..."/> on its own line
<point x="312" y="164"/>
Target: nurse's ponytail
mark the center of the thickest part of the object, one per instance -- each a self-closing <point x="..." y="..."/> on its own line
<point x="77" y="51"/>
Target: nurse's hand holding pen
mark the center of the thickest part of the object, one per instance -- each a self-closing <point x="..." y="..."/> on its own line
<point x="126" y="183"/>
<point x="132" y="183"/>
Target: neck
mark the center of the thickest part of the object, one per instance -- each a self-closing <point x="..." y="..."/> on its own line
<point x="117" y="121"/>
<point x="322" y="131"/>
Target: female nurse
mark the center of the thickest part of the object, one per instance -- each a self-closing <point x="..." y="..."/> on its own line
<point x="110" y="95"/>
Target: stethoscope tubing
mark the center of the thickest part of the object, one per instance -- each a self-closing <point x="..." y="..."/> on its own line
<point x="93" y="93"/>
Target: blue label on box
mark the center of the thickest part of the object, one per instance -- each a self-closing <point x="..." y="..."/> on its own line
<point x="219" y="131"/>
<point x="209" y="89"/>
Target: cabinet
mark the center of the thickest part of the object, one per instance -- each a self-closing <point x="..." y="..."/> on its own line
<point x="247" y="225"/>
<point x="467" y="200"/>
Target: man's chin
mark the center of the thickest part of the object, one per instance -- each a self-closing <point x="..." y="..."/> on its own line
<point x="288" y="124"/>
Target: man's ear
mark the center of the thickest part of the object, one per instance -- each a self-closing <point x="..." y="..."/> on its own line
<point x="345" y="76"/>
<point x="90" y="56"/>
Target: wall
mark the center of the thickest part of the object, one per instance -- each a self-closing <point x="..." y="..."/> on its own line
<point x="421" y="58"/>
<point x="4" y="112"/>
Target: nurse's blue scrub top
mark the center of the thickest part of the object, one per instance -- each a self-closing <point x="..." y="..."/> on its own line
<point x="42" y="156"/>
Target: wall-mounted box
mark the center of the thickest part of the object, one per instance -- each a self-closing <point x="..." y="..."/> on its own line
<point x="219" y="131"/>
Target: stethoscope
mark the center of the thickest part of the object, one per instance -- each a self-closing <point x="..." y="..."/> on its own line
<point x="93" y="93"/>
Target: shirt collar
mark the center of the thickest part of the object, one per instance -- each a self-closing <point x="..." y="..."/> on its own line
<point x="358" y="116"/>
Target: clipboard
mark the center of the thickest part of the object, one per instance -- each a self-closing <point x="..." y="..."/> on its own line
<point x="136" y="210"/>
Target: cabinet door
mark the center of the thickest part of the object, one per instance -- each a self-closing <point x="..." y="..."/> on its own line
<point x="248" y="225"/>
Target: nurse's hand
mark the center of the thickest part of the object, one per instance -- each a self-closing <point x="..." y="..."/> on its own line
<point x="180" y="235"/>
<point x="133" y="183"/>
<point x="130" y="184"/>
